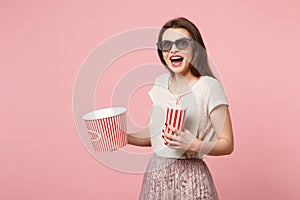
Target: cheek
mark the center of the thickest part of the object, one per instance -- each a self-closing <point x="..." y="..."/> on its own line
<point x="188" y="56"/>
<point x="165" y="56"/>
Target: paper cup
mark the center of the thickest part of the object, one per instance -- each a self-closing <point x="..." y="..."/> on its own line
<point x="175" y="117"/>
<point x="107" y="128"/>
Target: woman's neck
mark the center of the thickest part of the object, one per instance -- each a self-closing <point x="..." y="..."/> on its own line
<point x="187" y="78"/>
<point x="182" y="83"/>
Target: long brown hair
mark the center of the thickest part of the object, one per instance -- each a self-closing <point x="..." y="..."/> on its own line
<point x="199" y="63"/>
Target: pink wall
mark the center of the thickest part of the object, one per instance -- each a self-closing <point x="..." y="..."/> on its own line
<point x="255" y="45"/>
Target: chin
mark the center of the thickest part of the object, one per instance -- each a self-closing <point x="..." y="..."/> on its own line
<point x="180" y="69"/>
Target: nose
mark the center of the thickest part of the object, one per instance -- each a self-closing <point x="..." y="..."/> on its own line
<point x="174" y="48"/>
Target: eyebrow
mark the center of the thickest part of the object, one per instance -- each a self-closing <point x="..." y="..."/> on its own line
<point x="177" y="39"/>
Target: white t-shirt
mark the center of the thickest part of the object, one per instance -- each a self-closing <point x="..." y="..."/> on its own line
<point x="200" y="100"/>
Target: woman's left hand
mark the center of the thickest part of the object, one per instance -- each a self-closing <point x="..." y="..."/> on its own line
<point x="184" y="139"/>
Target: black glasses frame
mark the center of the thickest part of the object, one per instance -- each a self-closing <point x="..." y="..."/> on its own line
<point x="176" y="42"/>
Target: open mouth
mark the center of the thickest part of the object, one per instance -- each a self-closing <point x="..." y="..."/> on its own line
<point x="176" y="60"/>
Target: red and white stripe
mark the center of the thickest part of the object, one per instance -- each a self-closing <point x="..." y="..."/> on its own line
<point x="175" y="118"/>
<point x="107" y="134"/>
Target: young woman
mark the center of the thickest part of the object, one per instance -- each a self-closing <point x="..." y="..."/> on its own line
<point x="177" y="169"/>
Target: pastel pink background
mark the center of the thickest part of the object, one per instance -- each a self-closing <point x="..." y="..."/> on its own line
<point x="255" y="45"/>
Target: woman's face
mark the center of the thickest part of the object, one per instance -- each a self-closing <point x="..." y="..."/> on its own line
<point x="178" y="58"/>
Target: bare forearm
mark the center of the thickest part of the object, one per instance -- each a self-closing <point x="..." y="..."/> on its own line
<point x="216" y="148"/>
<point x="137" y="141"/>
<point x="141" y="138"/>
<point x="220" y="118"/>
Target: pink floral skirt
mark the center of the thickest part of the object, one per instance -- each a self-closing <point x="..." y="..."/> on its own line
<point x="174" y="179"/>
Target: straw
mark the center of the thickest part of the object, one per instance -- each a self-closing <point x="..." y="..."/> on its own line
<point x="178" y="99"/>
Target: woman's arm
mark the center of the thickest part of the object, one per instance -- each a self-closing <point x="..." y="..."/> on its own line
<point x="140" y="138"/>
<point x="221" y="122"/>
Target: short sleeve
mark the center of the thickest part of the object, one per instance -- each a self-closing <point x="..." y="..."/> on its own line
<point x="152" y="94"/>
<point x="161" y="83"/>
<point x="217" y="96"/>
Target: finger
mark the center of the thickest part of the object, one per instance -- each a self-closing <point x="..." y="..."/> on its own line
<point x="183" y="132"/>
<point x="172" y="143"/>
<point x="169" y="136"/>
<point x="165" y="139"/>
<point x="176" y="131"/>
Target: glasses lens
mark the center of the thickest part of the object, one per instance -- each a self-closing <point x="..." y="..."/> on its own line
<point x="182" y="43"/>
<point x="166" y="45"/>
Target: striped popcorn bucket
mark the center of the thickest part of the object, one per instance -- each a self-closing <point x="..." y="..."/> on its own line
<point x="175" y="117"/>
<point x="107" y="128"/>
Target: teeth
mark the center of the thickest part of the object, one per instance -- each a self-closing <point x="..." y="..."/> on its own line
<point x="176" y="57"/>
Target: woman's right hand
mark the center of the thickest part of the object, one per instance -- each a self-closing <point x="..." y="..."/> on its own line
<point x="182" y="139"/>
